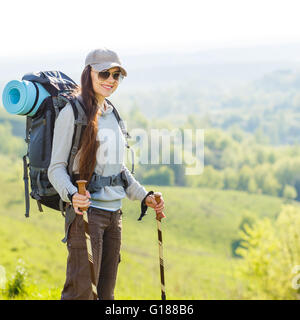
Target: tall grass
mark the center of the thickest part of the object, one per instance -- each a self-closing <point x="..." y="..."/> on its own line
<point x="198" y="232"/>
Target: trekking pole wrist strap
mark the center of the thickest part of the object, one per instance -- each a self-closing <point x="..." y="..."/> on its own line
<point x="70" y="196"/>
<point x="144" y="207"/>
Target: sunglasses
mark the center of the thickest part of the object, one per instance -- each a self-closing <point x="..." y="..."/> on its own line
<point x="104" y="75"/>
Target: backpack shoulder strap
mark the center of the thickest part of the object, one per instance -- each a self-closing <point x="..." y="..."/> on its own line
<point x="124" y="131"/>
<point x="120" y="121"/>
<point x="79" y="126"/>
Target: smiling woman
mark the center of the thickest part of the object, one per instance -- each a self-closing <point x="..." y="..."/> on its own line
<point x="95" y="89"/>
<point x="107" y="80"/>
<point x="109" y="181"/>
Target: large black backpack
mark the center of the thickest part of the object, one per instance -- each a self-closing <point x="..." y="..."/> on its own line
<point x="39" y="136"/>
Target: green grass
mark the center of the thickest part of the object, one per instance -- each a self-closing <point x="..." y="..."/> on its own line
<point x="197" y="236"/>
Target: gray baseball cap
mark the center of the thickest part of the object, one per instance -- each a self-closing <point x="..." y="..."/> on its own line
<point x="103" y="59"/>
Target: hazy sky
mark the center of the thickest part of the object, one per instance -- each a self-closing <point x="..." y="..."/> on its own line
<point x="30" y="27"/>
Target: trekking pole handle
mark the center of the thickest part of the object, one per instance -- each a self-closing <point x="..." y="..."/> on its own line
<point x="82" y="190"/>
<point x="157" y="196"/>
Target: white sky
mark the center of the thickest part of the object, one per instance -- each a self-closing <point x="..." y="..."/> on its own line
<point x="30" y="27"/>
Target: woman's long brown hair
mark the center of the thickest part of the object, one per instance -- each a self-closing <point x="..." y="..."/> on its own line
<point x="88" y="145"/>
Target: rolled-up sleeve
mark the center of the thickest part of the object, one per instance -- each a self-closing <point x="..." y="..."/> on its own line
<point x="61" y="146"/>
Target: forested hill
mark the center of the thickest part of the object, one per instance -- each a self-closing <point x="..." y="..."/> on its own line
<point x="268" y="106"/>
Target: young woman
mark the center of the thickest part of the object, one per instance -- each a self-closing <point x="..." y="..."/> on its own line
<point x="101" y="153"/>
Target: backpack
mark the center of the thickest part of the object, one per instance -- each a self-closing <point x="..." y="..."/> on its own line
<point x="39" y="136"/>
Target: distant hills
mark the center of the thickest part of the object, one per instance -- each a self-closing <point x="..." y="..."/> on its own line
<point x="252" y="88"/>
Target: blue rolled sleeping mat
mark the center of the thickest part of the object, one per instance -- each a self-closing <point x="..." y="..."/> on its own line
<point x="23" y="97"/>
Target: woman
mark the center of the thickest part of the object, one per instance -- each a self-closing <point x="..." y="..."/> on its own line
<point x="101" y="144"/>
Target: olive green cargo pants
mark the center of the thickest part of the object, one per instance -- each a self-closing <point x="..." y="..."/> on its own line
<point x="105" y="230"/>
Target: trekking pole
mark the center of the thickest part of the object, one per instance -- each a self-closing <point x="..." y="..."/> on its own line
<point x="82" y="190"/>
<point x="157" y="196"/>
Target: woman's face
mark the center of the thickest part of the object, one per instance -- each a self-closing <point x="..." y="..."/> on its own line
<point x="105" y="87"/>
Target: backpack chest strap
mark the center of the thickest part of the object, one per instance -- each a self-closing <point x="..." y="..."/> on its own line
<point x="97" y="181"/>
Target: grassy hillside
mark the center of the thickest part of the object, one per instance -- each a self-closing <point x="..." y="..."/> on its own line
<point x="197" y="235"/>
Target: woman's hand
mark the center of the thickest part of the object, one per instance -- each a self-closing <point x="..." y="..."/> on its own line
<point x="158" y="207"/>
<point x="80" y="201"/>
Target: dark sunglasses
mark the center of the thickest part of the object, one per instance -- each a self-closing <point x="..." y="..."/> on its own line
<point x="103" y="75"/>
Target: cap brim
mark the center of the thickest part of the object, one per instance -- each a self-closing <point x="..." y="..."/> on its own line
<point x="104" y="66"/>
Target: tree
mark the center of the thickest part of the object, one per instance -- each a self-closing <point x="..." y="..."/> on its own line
<point x="230" y="179"/>
<point x="271" y="185"/>
<point x="271" y="251"/>
<point x="162" y="176"/>
<point x="10" y="145"/>
<point x="245" y="175"/>
<point x="252" y="186"/>
<point x="289" y="192"/>
<point x="211" y="178"/>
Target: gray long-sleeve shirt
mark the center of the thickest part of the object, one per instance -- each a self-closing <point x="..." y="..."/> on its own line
<point x="109" y="160"/>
